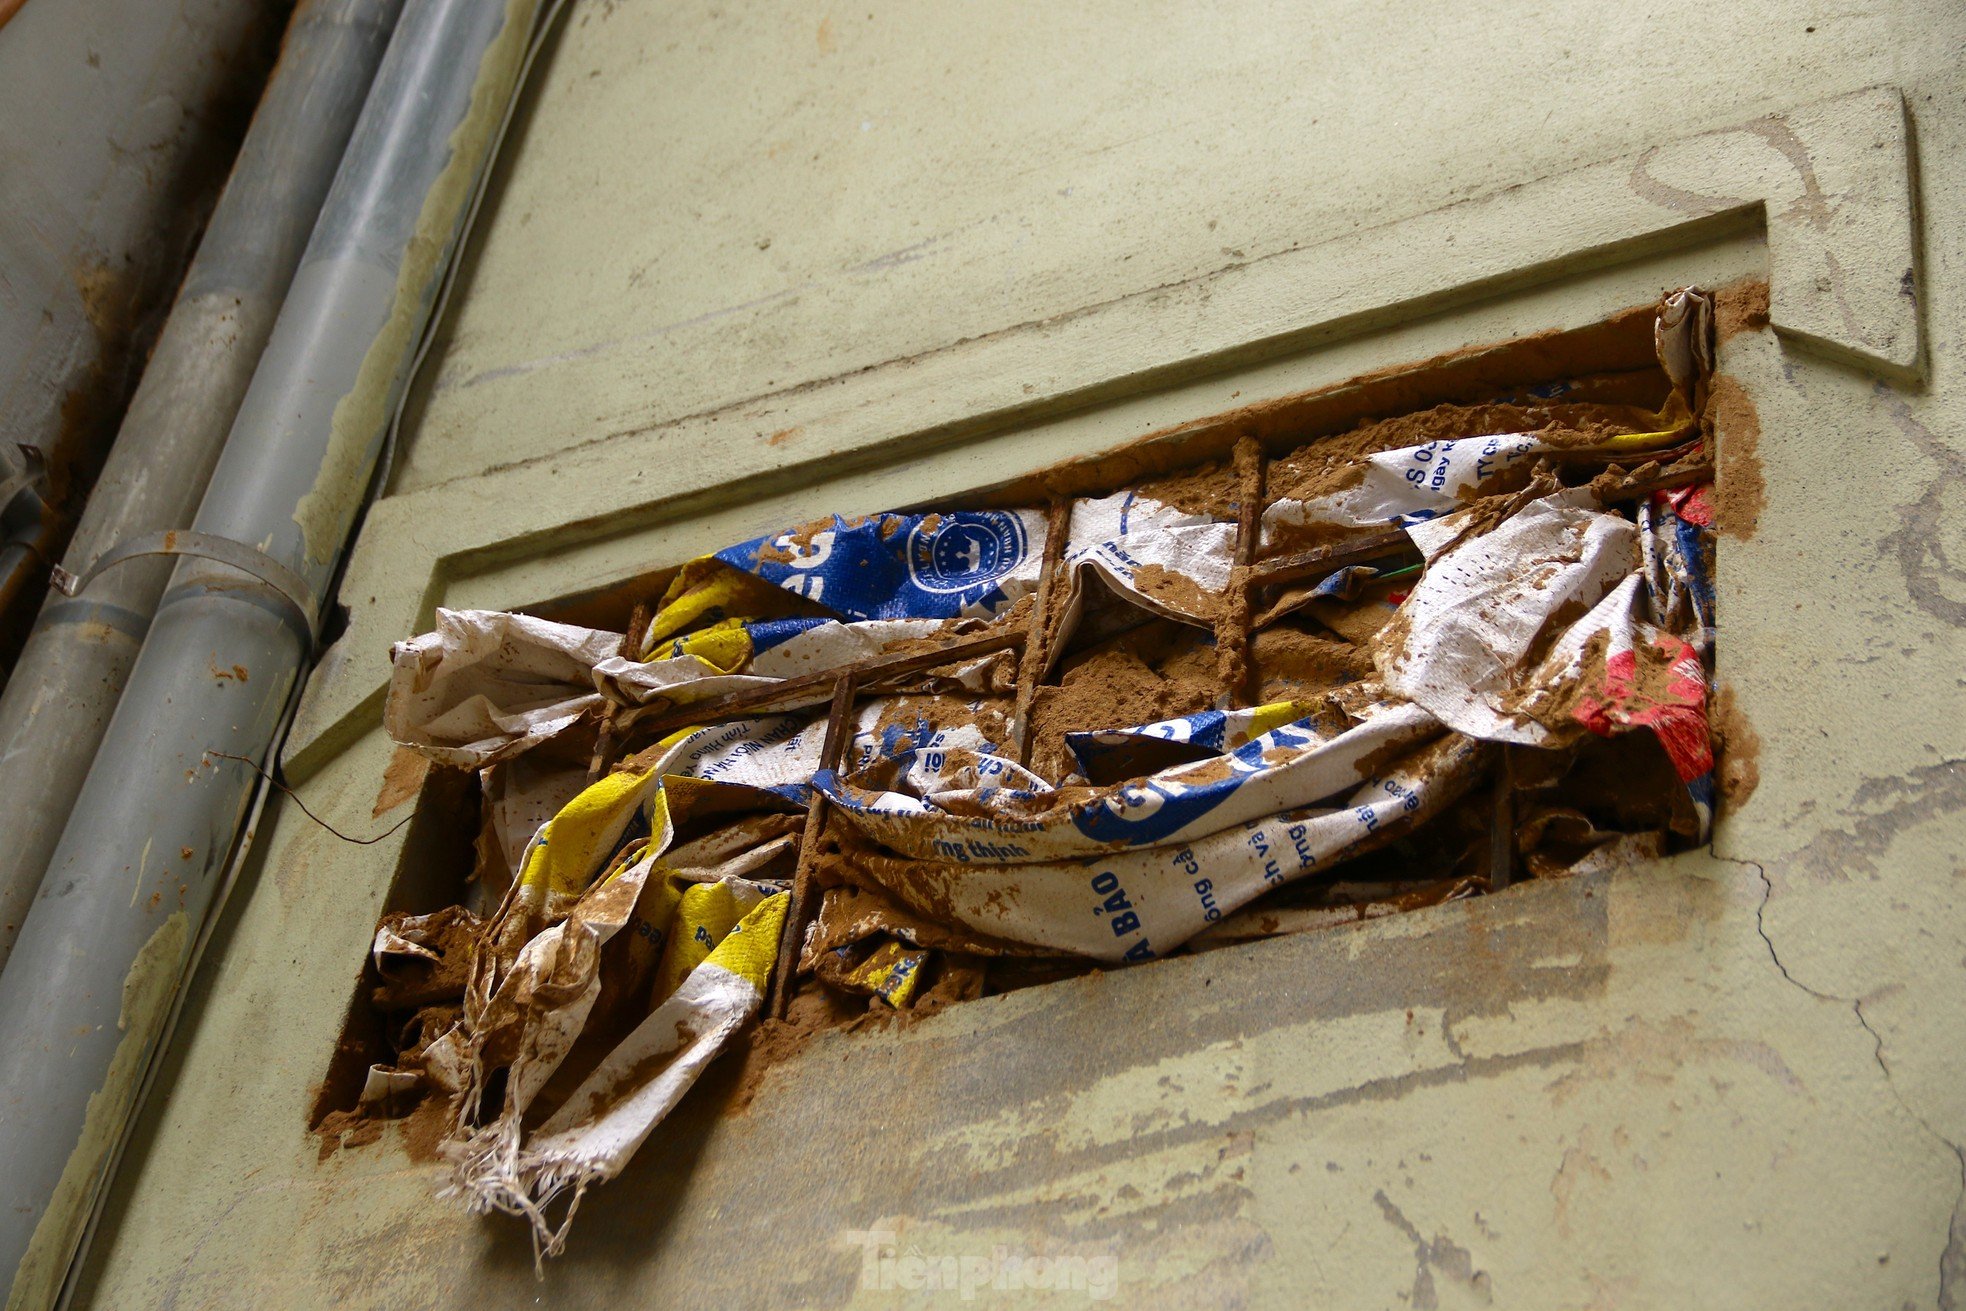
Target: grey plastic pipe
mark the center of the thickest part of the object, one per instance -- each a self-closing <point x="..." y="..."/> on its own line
<point x="57" y="703"/>
<point x="103" y="950"/>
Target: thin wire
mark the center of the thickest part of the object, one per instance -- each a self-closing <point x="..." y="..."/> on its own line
<point x="549" y="14"/>
<point x="254" y="765"/>
<point x="234" y="868"/>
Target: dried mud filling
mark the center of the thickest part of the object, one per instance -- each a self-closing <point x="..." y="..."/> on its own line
<point x="1621" y="768"/>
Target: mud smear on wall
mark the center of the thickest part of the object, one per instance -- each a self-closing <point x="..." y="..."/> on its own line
<point x="1740" y="492"/>
<point x="1738" y="750"/>
<point x="1610" y="363"/>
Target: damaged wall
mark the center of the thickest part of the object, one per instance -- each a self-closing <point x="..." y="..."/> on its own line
<point x="1726" y="1079"/>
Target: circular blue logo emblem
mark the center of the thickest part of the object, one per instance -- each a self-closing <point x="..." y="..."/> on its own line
<point x="961" y="551"/>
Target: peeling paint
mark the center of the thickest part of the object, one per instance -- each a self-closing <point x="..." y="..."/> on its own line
<point x="325" y="513"/>
<point x="1849" y="844"/>
<point x="147" y="993"/>
<point x="1937" y="583"/>
<point x="1436" y="1255"/>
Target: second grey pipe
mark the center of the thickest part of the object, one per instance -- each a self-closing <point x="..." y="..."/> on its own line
<point x="58" y="700"/>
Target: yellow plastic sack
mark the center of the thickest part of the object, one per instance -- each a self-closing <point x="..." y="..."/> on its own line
<point x="891" y="972"/>
<point x="708" y="593"/>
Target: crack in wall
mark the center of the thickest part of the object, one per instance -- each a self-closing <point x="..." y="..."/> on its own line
<point x="1952" y="1261"/>
<point x="1952" y="1257"/>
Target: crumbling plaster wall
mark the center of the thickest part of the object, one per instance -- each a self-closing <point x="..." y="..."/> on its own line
<point x="1731" y="1079"/>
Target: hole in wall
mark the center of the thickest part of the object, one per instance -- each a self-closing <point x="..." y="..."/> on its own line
<point x="434" y="870"/>
<point x="1120" y="664"/>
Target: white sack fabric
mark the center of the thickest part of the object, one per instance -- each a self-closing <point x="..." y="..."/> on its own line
<point x="1485" y="611"/>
